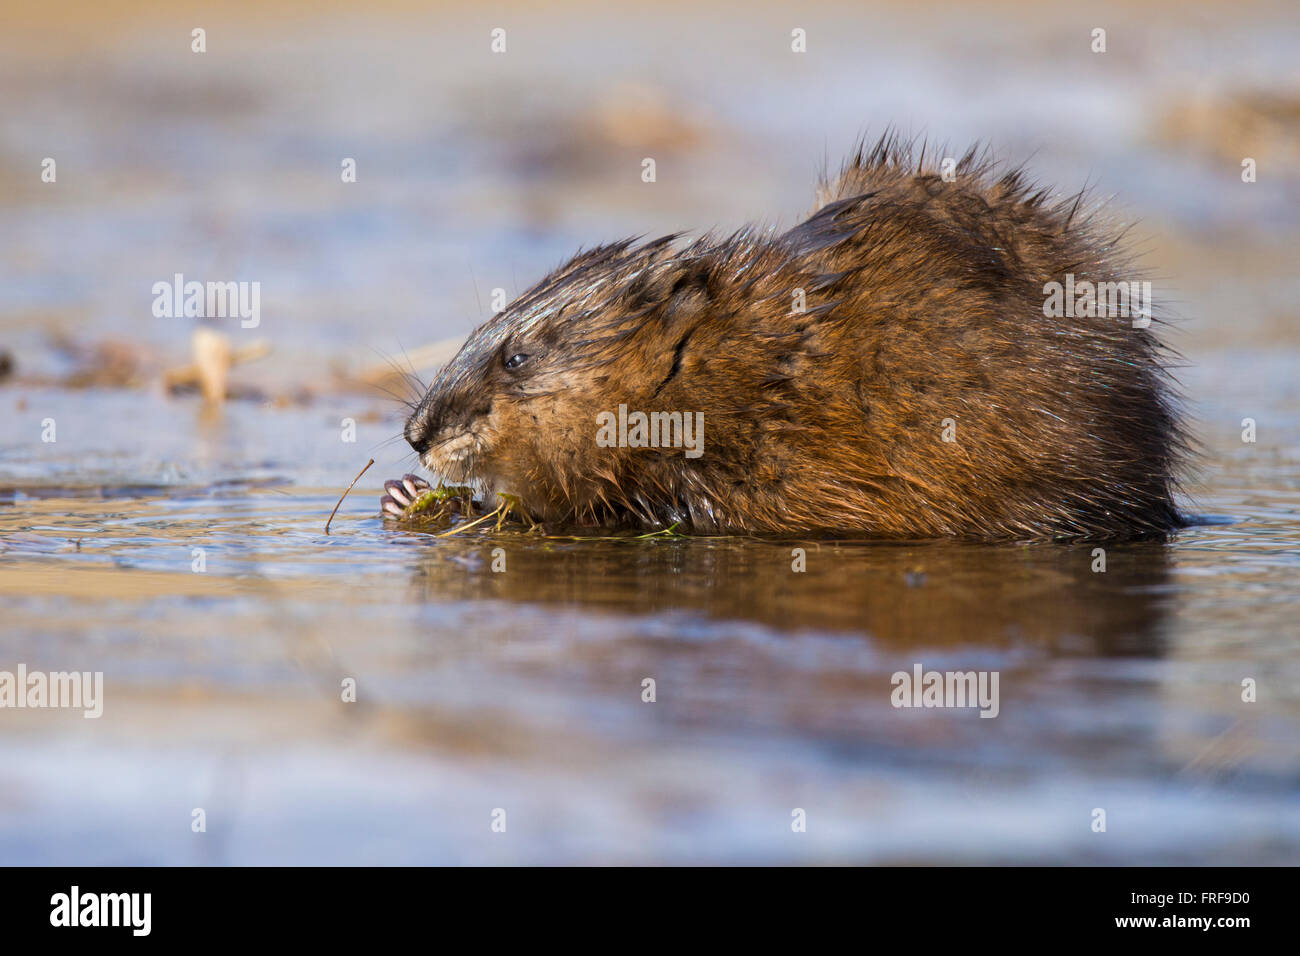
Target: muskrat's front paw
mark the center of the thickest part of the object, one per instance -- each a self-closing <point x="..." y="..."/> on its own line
<point x="401" y="494"/>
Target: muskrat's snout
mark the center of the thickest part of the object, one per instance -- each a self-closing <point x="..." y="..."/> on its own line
<point x="421" y="427"/>
<point x="438" y="418"/>
<point x="446" y="431"/>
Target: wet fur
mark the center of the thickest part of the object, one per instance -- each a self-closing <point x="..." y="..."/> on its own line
<point x="924" y="303"/>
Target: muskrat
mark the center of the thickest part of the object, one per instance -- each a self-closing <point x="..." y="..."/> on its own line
<point x="884" y="368"/>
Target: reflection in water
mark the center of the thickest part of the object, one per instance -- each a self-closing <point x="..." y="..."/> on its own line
<point x="900" y="595"/>
<point x="479" y="687"/>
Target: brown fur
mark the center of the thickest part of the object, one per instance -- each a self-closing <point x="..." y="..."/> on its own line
<point x="924" y="303"/>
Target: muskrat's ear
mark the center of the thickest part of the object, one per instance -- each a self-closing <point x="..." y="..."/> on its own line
<point x="670" y="285"/>
<point x="688" y="299"/>
<point x="675" y="295"/>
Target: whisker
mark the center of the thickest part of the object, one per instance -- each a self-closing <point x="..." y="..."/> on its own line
<point x="477" y="297"/>
<point x="379" y="446"/>
<point x="416" y="387"/>
<point x="412" y="375"/>
<point x="408" y="403"/>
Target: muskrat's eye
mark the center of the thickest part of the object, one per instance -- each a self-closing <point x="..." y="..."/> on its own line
<point x="516" y="360"/>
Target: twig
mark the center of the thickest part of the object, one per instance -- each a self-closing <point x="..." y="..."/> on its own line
<point x="345" y="494"/>
<point x="465" y="527"/>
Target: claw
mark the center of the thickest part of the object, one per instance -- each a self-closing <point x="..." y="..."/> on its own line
<point x="397" y="490"/>
<point x="414" y="485"/>
<point x="389" y="506"/>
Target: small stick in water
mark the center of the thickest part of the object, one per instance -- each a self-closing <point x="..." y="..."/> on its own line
<point x="345" y="494"/>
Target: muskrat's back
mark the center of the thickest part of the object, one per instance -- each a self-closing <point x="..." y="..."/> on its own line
<point x="883" y="368"/>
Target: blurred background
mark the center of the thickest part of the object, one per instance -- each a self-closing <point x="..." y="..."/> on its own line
<point x="478" y="171"/>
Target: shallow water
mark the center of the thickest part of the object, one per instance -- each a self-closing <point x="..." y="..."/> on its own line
<point x="522" y="689"/>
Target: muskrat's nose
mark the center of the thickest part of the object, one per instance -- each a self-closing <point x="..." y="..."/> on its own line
<point x="419" y="432"/>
